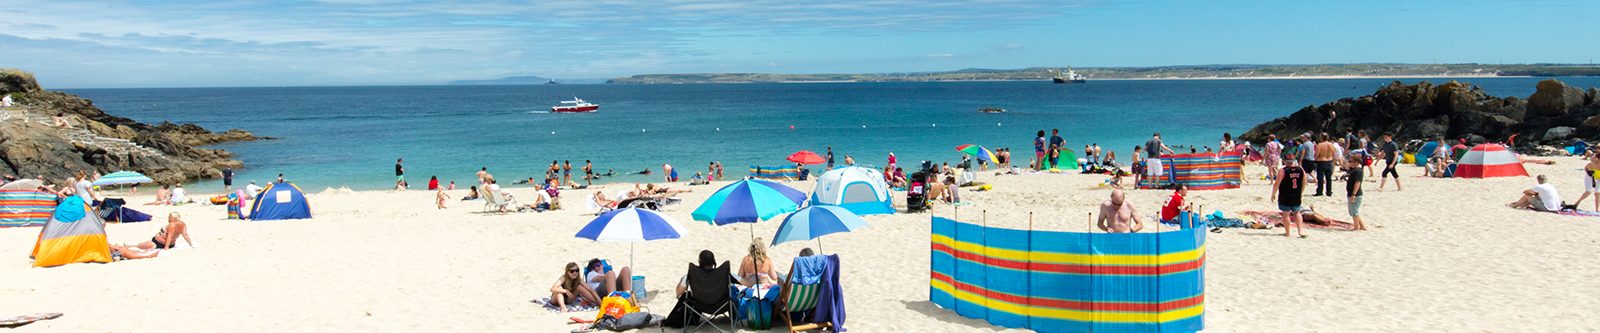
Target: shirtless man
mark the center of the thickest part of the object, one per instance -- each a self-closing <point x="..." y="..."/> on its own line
<point x="1591" y="186"/>
<point x="1117" y="213"/>
<point x="1323" y="155"/>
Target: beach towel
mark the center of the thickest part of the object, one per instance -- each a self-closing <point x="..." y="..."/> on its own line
<point x="830" y="300"/>
<point x="1276" y="220"/>
<point x="551" y="306"/>
<point x="1580" y="213"/>
<point x="809" y="269"/>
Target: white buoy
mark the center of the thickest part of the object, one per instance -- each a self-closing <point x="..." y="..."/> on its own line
<point x="863" y="126"/>
<point x="996" y="124"/>
<point x="935" y="125"/>
<point x="552" y="132"/>
<point x="719" y="129"/>
<point x="641" y="130"/>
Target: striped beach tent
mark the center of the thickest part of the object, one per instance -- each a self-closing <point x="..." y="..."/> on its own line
<point x="1489" y="160"/>
<point x="25" y="208"/>
<point x="74" y="234"/>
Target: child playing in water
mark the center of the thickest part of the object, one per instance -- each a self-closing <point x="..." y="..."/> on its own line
<point x="440" y="196"/>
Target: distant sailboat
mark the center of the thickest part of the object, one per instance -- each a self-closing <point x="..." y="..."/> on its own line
<point x="1069" y="76"/>
<point x="552" y="81"/>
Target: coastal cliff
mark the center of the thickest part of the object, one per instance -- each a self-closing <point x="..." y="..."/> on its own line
<point x="1553" y="115"/>
<point x="31" y="146"/>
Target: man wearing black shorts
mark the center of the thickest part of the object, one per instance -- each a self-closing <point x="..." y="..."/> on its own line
<point x="1391" y="155"/>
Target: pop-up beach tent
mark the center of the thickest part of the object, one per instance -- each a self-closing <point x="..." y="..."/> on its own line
<point x="1489" y="160"/>
<point x="73" y="235"/>
<point x="280" y="201"/>
<point x="857" y="189"/>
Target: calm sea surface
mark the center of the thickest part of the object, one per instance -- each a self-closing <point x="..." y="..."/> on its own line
<point x="351" y="136"/>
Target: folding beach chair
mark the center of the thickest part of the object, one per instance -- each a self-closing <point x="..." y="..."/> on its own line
<point x="797" y="297"/>
<point x="708" y="296"/>
<point x="496" y="201"/>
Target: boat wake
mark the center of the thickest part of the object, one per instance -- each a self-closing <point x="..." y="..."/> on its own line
<point x="537" y="112"/>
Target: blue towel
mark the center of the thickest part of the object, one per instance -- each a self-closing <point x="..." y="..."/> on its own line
<point x="809" y="270"/>
<point x="70" y="210"/>
<point x="830" y="300"/>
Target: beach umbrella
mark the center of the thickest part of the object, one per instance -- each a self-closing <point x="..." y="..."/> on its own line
<point x="631" y="225"/>
<point x="980" y="152"/>
<point x="815" y="221"/>
<point x="806" y="157"/>
<point x="750" y="201"/>
<point x="122" y="178"/>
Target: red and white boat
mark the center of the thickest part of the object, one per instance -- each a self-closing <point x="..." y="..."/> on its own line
<point x="575" y="105"/>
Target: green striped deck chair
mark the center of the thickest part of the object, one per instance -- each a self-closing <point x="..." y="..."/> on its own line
<point x="798" y="298"/>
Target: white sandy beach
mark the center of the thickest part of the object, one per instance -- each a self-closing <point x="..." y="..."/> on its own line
<point x="1443" y="255"/>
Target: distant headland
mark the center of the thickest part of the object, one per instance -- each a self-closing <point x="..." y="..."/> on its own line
<point x="1161" y="72"/>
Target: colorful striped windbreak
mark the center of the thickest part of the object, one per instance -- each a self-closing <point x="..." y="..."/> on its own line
<point x="1051" y="281"/>
<point x="25" y="208"/>
<point x="74" y="234"/>
<point x="775" y="172"/>
<point x="1199" y="171"/>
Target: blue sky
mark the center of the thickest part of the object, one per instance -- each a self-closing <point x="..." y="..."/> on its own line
<point x="109" y="43"/>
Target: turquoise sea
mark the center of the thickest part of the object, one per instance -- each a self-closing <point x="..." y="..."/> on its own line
<point x="351" y="136"/>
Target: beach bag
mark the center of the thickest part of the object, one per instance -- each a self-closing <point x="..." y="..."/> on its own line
<point x="629" y="321"/>
<point x="615" y="306"/>
<point x="639" y="292"/>
<point x="755" y="309"/>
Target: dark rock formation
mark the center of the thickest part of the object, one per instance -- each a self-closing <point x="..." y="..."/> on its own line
<point x="99" y="142"/>
<point x="1556" y="112"/>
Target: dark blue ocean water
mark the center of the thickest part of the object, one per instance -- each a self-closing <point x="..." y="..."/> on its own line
<point x="351" y="136"/>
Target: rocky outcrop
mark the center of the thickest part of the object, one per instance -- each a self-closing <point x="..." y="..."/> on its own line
<point x="98" y="142"/>
<point x="1555" y="112"/>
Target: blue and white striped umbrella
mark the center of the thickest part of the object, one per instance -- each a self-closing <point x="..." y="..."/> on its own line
<point x="122" y="178"/>
<point x="631" y="225"/>
<point x="814" y="222"/>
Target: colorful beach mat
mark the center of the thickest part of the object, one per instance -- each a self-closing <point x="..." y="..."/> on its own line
<point x="1579" y="213"/>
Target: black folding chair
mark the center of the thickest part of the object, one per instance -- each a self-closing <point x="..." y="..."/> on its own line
<point x="709" y="297"/>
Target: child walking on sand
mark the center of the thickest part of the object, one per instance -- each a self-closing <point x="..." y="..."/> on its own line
<point x="440" y="196"/>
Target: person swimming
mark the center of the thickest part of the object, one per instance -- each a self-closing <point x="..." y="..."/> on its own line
<point x="645" y="172"/>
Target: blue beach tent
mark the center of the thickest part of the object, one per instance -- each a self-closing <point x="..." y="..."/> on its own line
<point x="280" y="201"/>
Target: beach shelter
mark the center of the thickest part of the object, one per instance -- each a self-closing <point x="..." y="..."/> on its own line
<point x="1489" y="160"/>
<point x="860" y="190"/>
<point x="74" y="234"/>
<point x="25" y="207"/>
<point x="280" y="201"/>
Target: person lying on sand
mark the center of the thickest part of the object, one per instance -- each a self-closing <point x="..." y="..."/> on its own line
<point x="163" y="197"/>
<point x="652" y="189"/>
<point x="125" y="252"/>
<point x="604" y="280"/>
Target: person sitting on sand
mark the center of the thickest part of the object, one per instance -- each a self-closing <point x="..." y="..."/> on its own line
<point x="1118" y="216"/>
<point x="1541" y="197"/>
<point x="179" y="196"/>
<point x="1175" y="205"/>
<point x="756" y="267"/>
<point x="168" y="236"/>
<point x="604" y="280"/>
<point x="698" y="179"/>
<point x="163" y="196"/>
<point x="570" y="289"/>
<point x="472" y="194"/>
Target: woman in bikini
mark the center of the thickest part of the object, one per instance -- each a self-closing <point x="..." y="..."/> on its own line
<point x="756" y="268"/>
<point x="168" y="236"/>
